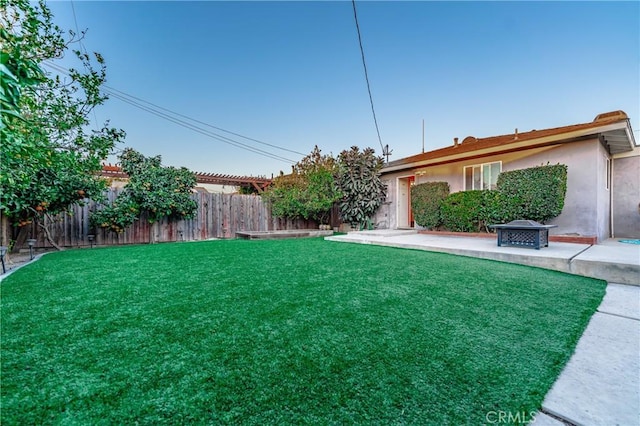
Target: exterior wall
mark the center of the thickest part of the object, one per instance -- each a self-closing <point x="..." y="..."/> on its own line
<point x="625" y="185"/>
<point x="386" y="216"/>
<point x="217" y="189"/>
<point x="603" y="194"/>
<point x="587" y="202"/>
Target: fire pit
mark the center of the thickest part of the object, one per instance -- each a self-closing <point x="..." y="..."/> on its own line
<point x="523" y="233"/>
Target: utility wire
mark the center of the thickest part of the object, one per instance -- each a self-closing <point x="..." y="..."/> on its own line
<point x="132" y="101"/>
<point x="84" y="50"/>
<point x="201" y="131"/>
<point x="366" y="76"/>
<point x="194" y="127"/>
<point x="201" y="122"/>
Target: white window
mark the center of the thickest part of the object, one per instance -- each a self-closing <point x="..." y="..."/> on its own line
<point x="482" y="176"/>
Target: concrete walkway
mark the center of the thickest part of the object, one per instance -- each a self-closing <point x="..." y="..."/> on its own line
<point x="600" y="385"/>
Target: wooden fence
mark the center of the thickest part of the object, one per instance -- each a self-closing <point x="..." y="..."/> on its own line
<point x="217" y="216"/>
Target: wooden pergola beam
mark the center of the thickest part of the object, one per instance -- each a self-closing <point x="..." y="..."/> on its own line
<point x="216" y="179"/>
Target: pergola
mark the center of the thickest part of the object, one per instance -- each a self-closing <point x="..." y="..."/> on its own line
<point x="258" y="183"/>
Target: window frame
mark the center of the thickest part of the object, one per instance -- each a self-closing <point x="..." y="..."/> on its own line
<point x="481" y="167"/>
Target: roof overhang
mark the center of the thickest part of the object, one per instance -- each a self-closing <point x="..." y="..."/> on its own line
<point x="617" y="136"/>
<point x="619" y="140"/>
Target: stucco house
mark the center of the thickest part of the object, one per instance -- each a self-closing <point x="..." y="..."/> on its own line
<point x="603" y="181"/>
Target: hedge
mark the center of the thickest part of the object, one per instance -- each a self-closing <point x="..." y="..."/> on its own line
<point x="426" y="199"/>
<point x="536" y="193"/>
<point x="494" y="209"/>
<point x="461" y="211"/>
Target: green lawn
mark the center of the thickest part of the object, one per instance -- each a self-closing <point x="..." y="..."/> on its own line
<point x="282" y="332"/>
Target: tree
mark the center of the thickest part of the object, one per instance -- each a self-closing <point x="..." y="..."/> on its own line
<point x="308" y="192"/>
<point x="359" y="181"/>
<point x="48" y="158"/>
<point x="153" y="189"/>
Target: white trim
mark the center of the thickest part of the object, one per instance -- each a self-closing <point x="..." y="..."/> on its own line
<point x="612" y="231"/>
<point x="404" y="201"/>
<point x="634" y="153"/>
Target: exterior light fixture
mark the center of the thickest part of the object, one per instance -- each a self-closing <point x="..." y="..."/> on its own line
<point x="31" y="242"/>
<point x="3" y="252"/>
<point x="91" y="239"/>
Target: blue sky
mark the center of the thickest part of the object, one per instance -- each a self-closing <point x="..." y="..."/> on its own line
<point x="290" y="74"/>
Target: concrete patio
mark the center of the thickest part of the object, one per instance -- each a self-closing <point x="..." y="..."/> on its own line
<point x="611" y="260"/>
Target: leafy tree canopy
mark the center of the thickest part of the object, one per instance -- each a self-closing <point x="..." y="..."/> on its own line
<point x="308" y="192"/>
<point x="48" y="157"/>
<point x="153" y="189"/>
<point x="359" y="181"/>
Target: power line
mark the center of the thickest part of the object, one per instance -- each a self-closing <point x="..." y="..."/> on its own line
<point x="84" y="50"/>
<point x="366" y="76"/>
<point x="203" y="123"/>
<point x="196" y="128"/>
<point x="132" y="100"/>
<point x="201" y="131"/>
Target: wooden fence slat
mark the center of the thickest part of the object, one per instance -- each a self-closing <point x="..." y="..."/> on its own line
<point x="217" y="216"/>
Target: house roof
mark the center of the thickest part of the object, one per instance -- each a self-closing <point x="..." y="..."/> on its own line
<point x="612" y="128"/>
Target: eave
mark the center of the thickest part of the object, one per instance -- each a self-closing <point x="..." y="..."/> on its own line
<point x="616" y="135"/>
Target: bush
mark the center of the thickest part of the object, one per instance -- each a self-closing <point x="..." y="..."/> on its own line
<point x="494" y="209"/>
<point x="426" y="199"/>
<point x="359" y="183"/>
<point x="160" y="191"/>
<point x="536" y="193"/>
<point x="461" y="211"/>
<point x="308" y="192"/>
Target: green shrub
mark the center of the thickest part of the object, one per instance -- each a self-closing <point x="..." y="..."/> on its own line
<point x="359" y="183"/>
<point x="426" y="199"/>
<point x="308" y="192"/>
<point x="493" y="209"/>
<point x="461" y="211"/>
<point x="536" y="193"/>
